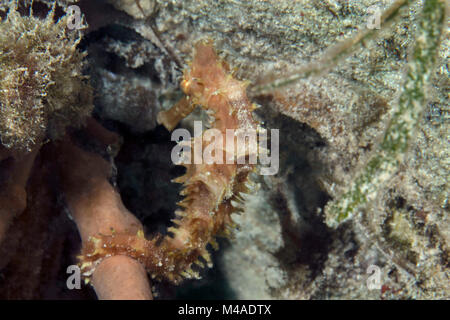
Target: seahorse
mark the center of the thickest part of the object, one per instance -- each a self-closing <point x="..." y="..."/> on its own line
<point x="212" y="191"/>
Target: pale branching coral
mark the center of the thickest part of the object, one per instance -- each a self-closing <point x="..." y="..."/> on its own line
<point x="42" y="89"/>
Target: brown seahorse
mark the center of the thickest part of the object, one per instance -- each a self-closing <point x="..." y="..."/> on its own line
<point x="212" y="191"/>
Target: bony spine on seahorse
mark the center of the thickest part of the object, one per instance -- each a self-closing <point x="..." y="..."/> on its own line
<point x="212" y="191"/>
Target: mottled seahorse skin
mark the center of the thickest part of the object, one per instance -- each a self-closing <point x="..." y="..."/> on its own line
<point x="212" y="191"/>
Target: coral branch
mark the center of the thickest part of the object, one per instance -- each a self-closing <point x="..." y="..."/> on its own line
<point x="121" y="278"/>
<point x="13" y="179"/>
<point x="97" y="209"/>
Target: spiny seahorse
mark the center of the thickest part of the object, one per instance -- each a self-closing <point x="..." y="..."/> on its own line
<point x="212" y="191"/>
